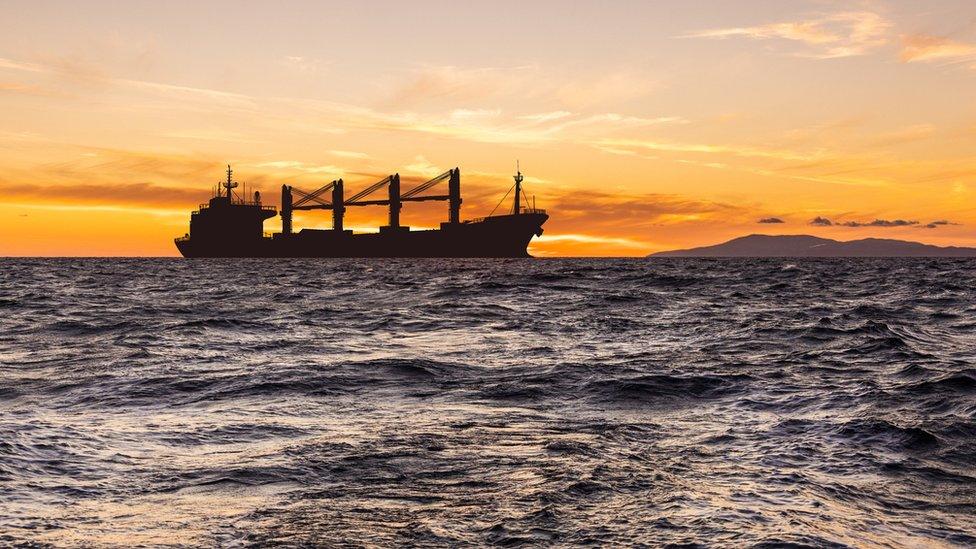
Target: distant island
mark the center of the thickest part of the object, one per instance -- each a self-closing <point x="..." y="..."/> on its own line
<point x="759" y="245"/>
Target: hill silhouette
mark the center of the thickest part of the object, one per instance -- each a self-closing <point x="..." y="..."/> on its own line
<point x="759" y="245"/>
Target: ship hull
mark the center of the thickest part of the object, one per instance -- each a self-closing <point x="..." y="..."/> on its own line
<point x="499" y="236"/>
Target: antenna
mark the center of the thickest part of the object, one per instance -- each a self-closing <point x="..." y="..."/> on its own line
<point x="230" y="184"/>
<point x="518" y="188"/>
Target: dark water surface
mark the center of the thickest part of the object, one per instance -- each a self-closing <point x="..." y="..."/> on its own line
<point x="444" y="403"/>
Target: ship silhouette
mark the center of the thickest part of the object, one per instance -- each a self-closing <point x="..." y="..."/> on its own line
<point x="233" y="226"/>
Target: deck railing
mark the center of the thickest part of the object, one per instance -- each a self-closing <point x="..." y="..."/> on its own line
<point x="239" y="203"/>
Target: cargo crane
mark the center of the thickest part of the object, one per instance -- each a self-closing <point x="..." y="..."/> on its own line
<point x="315" y="200"/>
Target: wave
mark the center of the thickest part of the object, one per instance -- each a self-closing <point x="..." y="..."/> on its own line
<point x="651" y="389"/>
<point x="456" y="402"/>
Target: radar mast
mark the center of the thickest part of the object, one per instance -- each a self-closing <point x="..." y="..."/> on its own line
<point x="230" y="184"/>
<point x="518" y="188"/>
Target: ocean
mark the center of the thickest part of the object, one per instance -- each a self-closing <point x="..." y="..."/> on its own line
<point x="445" y="403"/>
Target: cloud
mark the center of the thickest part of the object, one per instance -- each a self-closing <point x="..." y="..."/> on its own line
<point x="302" y="167"/>
<point x="879" y="223"/>
<point x="442" y="83"/>
<point x="349" y="154"/>
<point x="77" y="71"/>
<point x="423" y="167"/>
<point x="937" y="224"/>
<point x="824" y="222"/>
<point x="108" y="195"/>
<point x="470" y="114"/>
<point x="606" y="213"/>
<point x="582" y="91"/>
<point x="29" y="89"/>
<point x="115" y="166"/>
<point x="926" y="48"/>
<point x="446" y="84"/>
<point x="301" y="64"/>
<point x="602" y="223"/>
<point x="113" y="178"/>
<point x="817" y="161"/>
<point x="545" y="116"/>
<point x="618" y="145"/>
<point x="771" y="220"/>
<point x="21" y="66"/>
<point x="463" y="122"/>
<point x="909" y="134"/>
<point x="843" y="34"/>
<point x="492" y="127"/>
<point x="213" y="134"/>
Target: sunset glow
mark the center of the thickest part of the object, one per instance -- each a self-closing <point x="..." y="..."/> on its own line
<point x="640" y="126"/>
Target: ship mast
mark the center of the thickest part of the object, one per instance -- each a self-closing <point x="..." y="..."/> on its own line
<point x="230" y="184"/>
<point x="518" y="188"/>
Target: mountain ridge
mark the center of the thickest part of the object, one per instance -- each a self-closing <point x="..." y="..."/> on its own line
<point x="801" y="245"/>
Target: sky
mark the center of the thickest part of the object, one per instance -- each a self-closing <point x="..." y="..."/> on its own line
<point x="640" y="126"/>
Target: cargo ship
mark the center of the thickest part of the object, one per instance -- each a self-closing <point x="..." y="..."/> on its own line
<point x="231" y="225"/>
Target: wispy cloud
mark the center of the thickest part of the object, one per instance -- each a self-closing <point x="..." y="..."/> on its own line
<point x="830" y="36"/>
<point x="581" y="91"/>
<point x="939" y="223"/>
<point x="475" y="114"/>
<point x="818" y="160"/>
<point x="608" y="213"/>
<point x="302" y="167"/>
<point x="617" y="145"/>
<point x="74" y="70"/>
<point x="213" y="134"/>
<point x="545" y="116"/>
<point x="348" y="154"/>
<point x="423" y="167"/>
<point x="21" y="66"/>
<point x="302" y="64"/>
<point x="909" y="134"/>
<point x="29" y="89"/>
<point x="925" y="48"/>
<point x="107" y="195"/>
<point x="496" y="127"/>
<point x="571" y="89"/>
<point x="770" y="220"/>
<point x="471" y="123"/>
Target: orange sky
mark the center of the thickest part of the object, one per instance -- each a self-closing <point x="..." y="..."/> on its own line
<point x="641" y="126"/>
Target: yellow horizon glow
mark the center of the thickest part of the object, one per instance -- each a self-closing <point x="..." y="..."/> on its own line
<point x="640" y="126"/>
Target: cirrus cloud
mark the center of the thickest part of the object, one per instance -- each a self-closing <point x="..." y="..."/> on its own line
<point x="830" y="36"/>
<point x="926" y="48"/>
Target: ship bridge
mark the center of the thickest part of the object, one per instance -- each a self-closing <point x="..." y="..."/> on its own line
<point x="228" y="215"/>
